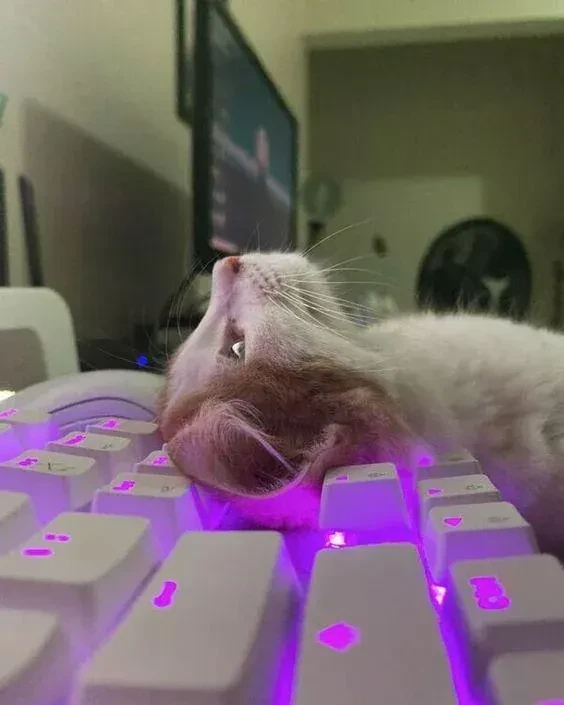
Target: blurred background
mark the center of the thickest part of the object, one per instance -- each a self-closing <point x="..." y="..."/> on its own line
<point x="429" y="142"/>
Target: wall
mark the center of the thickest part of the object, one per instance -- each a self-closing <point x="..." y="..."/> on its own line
<point x="430" y="131"/>
<point x="91" y="120"/>
<point x="391" y="21"/>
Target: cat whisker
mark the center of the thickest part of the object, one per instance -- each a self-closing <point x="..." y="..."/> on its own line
<point x="335" y="313"/>
<point x="337" y="232"/>
<point x="310" y="320"/>
<point x="318" y="296"/>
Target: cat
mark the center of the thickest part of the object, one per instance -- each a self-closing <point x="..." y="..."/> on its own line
<point x="276" y="386"/>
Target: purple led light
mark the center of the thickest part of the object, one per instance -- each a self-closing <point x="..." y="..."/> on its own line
<point x="110" y="423"/>
<point x="28" y="462"/>
<point x="165" y="597"/>
<point x="339" y="637"/>
<point x="438" y="592"/>
<point x="434" y="491"/>
<point x="124" y="486"/>
<point x="452" y="521"/>
<point x="160" y="460"/>
<point x="75" y="440"/>
<point x="341" y="478"/>
<point x="489" y="593"/>
<point x="36" y="552"/>
<point x="8" y="412"/>
<point x="425" y="461"/>
<point x="336" y="539"/>
<point x="60" y="538"/>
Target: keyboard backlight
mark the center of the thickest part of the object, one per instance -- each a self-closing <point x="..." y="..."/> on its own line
<point x="110" y="423"/>
<point x="36" y="552"/>
<point x="166" y="595"/>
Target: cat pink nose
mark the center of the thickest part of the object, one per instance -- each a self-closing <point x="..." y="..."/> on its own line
<point x="234" y="263"/>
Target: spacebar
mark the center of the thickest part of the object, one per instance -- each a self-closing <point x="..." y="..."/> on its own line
<point x="371" y="631"/>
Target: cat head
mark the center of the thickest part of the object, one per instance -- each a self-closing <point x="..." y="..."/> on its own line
<point x="274" y="388"/>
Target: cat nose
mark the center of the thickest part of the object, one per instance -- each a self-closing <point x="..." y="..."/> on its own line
<point x="234" y="263"/>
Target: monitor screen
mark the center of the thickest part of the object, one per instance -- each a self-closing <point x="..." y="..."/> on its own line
<point x="245" y="146"/>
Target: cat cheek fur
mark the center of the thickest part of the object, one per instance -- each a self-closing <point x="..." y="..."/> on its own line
<point x="265" y="434"/>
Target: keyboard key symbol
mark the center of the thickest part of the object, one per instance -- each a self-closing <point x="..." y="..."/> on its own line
<point x="37" y="552"/>
<point x="339" y="637"/>
<point x="341" y="478"/>
<point x="165" y="597"/>
<point x="501" y="520"/>
<point x="110" y="423"/>
<point x="160" y="460"/>
<point x="124" y="486"/>
<point x="452" y="521"/>
<point x="7" y="413"/>
<point x="28" y="462"/>
<point x="434" y="491"/>
<point x="489" y="593"/>
<point x="75" y="440"/>
<point x="60" y="538"/>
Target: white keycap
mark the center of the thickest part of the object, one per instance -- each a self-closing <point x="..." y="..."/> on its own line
<point x="145" y="436"/>
<point x="158" y="463"/>
<point x="527" y="678"/>
<point x="17" y="520"/>
<point x="370" y="632"/>
<point x="503" y="605"/>
<point x="364" y="498"/>
<point x="471" y="531"/>
<point x="83" y="567"/>
<point x="167" y="502"/>
<point x="10" y="445"/>
<point x="469" y="489"/>
<point x="113" y="454"/>
<point x="209" y="629"/>
<point x="56" y="482"/>
<point x="33" y="428"/>
<point x="455" y="464"/>
<point x="35" y="659"/>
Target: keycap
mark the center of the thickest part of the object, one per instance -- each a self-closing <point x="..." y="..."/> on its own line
<point x="33" y="428"/>
<point x="167" y="502"/>
<point x="145" y="436"/>
<point x="83" y="567"/>
<point x="113" y="454"/>
<point x="17" y="520"/>
<point x="455" y="464"/>
<point x="35" y="659"/>
<point x="530" y="678"/>
<point x="56" y="482"/>
<point x="502" y="605"/>
<point x="370" y="632"/>
<point x="472" y="531"/>
<point x="208" y="630"/>
<point x="469" y="489"/>
<point x="364" y="498"/>
<point x="158" y="463"/>
<point x="10" y="445"/>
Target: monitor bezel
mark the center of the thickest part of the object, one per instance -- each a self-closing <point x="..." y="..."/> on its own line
<point x="203" y="255"/>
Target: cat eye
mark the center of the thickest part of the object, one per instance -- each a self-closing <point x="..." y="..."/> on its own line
<point x="238" y="350"/>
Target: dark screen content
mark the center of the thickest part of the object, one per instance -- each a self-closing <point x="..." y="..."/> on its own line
<point x="252" y="170"/>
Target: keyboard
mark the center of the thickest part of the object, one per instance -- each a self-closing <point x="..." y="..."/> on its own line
<point x="123" y="583"/>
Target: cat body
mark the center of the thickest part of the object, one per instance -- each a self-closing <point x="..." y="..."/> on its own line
<point x="312" y="391"/>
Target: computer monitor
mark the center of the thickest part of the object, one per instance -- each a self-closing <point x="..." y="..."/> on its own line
<point x="245" y="146"/>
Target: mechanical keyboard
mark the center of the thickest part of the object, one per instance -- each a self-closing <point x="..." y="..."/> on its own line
<point x="123" y="583"/>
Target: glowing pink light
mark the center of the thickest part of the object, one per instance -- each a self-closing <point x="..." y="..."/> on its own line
<point x="434" y="491"/>
<point x="8" y="412"/>
<point x="425" y="461"/>
<point x="110" y="423"/>
<point x="160" y="460"/>
<point x="165" y="597"/>
<point x="336" y="539"/>
<point x="452" y="521"/>
<point x="489" y="593"/>
<point x="75" y="440"/>
<point x="28" y="462"/>
<point x="438" y="592"/>
<point x="124" y="486"/>
<point x="36" y="552"/>
<point x="339" y="637"/>
<point x="60" y="538"/>
<point x="342" y="478"/>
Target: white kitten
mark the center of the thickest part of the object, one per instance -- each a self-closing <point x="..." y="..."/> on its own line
<point x="312" y="391"/>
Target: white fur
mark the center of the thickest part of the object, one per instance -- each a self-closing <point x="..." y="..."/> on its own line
<point x="491" y="386"/>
